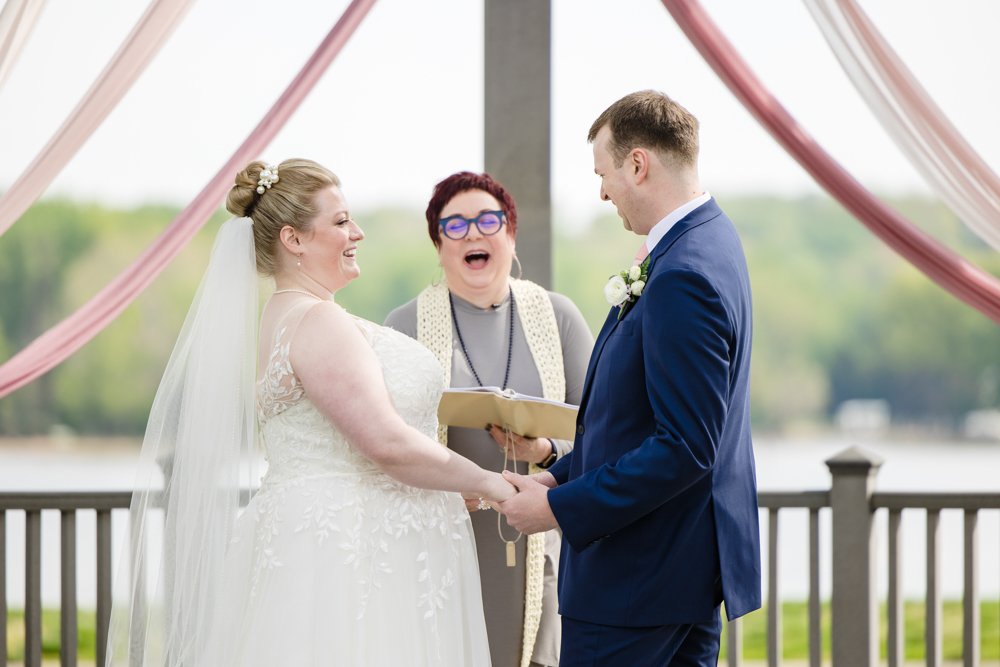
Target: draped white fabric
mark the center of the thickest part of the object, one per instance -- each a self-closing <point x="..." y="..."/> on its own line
<point x="976" y="287"/>
<point x="60" y="341"/>
<point x="17" y="19"/>
<point x="908" y="113"/>
<point x="124" y="68"/>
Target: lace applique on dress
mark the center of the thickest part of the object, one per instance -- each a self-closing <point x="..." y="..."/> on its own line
<point x="316" y="480"/>
<point x="278" y="388"/>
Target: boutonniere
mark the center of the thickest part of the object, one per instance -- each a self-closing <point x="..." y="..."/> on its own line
<point x="625" y="287"/>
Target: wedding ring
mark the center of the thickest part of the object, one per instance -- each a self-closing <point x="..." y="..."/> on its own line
<point x="483" y="505"/>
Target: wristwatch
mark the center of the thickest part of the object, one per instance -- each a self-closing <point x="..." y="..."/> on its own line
<point x="551" y="458"/>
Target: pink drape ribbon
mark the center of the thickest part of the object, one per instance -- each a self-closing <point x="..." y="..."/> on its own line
<point x="964" y="280"/>
<point x="17" y="19"/>
<point x="65" y="338"/>
<point x="908" y="113"/>
<point x="135" y="53"/>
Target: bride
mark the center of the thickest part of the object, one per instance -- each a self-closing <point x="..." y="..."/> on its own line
<point x="352" y="551"/>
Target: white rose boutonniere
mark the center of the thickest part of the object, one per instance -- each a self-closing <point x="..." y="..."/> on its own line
<point x="625" y="287"/>
<point x="616" y="291"/>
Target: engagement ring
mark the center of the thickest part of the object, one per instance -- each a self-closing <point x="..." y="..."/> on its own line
<point x="483" y="505"/>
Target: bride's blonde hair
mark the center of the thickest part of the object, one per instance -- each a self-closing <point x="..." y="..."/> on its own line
<point x="291" y="200"/>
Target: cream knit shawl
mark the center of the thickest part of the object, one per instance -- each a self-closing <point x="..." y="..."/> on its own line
<point x="538" y="321"/>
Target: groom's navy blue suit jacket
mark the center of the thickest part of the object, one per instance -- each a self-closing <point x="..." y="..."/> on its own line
<point x="658" y="499"/>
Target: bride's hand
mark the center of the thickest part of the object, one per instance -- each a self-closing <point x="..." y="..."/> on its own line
<point x="497" y="489"/>
<point x="474" y="502"/>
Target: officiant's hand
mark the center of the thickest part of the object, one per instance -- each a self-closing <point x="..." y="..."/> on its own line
<point x="529" y="510"/>
<point x="532" y="450"/>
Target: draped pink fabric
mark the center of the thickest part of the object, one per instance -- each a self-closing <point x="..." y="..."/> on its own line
<point x="138" y="49"/>
<point x="62" y="340"/>
<point x="17" y="19"/>
<point x="964" y="280"/>
<point x="908" y="113"/>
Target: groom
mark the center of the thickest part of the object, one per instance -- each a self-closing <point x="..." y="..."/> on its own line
<point x="657" y="501"/>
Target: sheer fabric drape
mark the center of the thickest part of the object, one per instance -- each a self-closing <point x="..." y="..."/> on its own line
<point x="138" y="49"/>
<point x="951" y="271"/>
<point x="920" y="129"/>
<point x="62" y="340"/>
<point x="17" y="19"/>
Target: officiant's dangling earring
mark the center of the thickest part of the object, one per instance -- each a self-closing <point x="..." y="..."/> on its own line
<point x="439" y="277"/>
<point x="520" y="272"/>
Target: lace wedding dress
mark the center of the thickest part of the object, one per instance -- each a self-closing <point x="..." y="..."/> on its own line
<point x="335" y="563"/>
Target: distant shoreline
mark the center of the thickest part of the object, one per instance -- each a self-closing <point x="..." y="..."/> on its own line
<point x="90" y="444"/>
<point x="126" y="444"/>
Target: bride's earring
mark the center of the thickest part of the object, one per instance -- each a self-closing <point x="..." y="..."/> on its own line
<point x="298" y="261"/>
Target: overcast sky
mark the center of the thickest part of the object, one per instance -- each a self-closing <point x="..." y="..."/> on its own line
<point x="401" y="107"/>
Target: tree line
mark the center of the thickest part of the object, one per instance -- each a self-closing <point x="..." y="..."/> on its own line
<point x="837" y="315"/>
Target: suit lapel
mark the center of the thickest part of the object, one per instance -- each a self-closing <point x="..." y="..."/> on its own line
<point x="609" y="325"/>
<point x="702" y="214"/>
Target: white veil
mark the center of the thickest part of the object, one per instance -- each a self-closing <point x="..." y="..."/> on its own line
<point x="199" y="439"/>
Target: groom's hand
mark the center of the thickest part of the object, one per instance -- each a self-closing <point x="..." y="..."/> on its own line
<point x="529" y="510"/>
<point x="545" y="478"/>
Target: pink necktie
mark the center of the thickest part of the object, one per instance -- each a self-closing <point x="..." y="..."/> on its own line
<point x="640" y="254"/>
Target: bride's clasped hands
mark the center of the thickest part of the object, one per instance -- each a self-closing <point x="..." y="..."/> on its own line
<point x="528" y="510"/>
<point x="500" y="491"/>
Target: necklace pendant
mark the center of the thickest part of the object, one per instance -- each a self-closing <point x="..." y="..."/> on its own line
<point x="511" y="555"/>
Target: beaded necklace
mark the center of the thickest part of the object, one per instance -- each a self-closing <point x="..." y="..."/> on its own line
<point x="510" y="337"/>
<point x="509" y="544"/>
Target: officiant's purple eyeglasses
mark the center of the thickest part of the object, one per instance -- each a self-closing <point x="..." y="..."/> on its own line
<point x="456" y="227"/>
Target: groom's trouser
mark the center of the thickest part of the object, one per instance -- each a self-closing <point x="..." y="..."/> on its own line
<point x="592" y="645"/>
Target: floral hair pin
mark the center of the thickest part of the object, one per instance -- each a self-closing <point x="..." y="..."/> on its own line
<point x="625" y="287"/>
<point x="268" y="177"/>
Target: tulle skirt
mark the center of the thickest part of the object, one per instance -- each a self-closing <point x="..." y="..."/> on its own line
<point x="350" y="569"/>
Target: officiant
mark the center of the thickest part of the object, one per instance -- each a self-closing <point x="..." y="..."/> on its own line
<point x="488" y="328"/>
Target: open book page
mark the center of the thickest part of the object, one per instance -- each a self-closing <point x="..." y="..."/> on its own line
<point x="531" y="416"/>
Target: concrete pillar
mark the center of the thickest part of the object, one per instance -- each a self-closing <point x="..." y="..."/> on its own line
<point x="517" y="127"/>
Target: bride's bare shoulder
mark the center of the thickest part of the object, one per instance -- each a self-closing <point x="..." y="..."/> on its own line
<point x="326" y="328"/>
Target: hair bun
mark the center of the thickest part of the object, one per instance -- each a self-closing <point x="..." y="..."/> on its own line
<point x="242" y="196"/>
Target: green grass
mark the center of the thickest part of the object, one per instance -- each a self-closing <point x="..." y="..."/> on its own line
<point x="795" y="631"/>
<point x="794" y="623"/>
<point x="86" y="634"/>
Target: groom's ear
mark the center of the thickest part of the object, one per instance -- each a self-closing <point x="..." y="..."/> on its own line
<point x="638" y="160"/>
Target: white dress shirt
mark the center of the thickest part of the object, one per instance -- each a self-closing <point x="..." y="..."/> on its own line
<point x="661" y="228"/>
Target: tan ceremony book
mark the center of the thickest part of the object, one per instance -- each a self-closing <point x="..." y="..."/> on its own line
<point x="475" y="407"/>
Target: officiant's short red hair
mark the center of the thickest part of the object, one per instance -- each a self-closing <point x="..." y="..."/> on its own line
<point x="460" y="182"/>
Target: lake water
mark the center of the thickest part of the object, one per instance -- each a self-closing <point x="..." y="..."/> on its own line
<point x="782" y="465"/>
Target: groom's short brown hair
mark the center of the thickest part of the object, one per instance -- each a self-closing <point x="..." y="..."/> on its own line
<point x="649" y="119"/>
